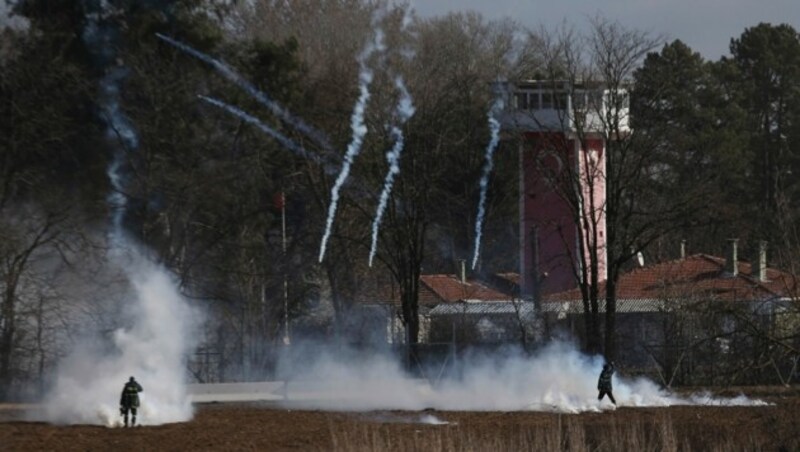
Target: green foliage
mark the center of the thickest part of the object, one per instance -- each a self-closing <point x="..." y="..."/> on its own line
<point x="47" y="132"/>
<point x="767" y="58"/>
<point x="273" y="68"/>
<point x="695" y="132"/>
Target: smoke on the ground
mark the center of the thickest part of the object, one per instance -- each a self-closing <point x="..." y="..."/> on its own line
<point x="557" y="378"/>
<point x="153" y="336"/>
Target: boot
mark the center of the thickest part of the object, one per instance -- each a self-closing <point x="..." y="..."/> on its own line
<point x="133" y="421"/>
<point x="126" y="420"/>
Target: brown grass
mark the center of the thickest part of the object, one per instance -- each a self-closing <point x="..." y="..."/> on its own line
<point x="562" y="433"/>
<point x="259" y="426"/>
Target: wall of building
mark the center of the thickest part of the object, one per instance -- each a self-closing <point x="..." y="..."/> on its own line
<point x="550" y="160"/>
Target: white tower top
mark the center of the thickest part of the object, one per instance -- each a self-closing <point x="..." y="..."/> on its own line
<point x="559" y="106"/>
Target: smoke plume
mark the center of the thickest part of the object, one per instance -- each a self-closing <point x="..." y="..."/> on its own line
<point x="557" y="378"/>
<point x="359" y="130"/>
<point x="494" y="127"/>
<point x="282" y="139"/>
<point x="151" y="344"/>
<point x="150" y="339"/>
<point x="317" y="136"/>
<point x="405" y="109"/>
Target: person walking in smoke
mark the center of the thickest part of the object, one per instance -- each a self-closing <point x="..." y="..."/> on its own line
<point x="129" y="400"/>
<point x="604" y="382"/>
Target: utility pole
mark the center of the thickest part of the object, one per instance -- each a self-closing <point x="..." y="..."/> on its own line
<point x="286" y="337"/>
<point x="285" y="265"/>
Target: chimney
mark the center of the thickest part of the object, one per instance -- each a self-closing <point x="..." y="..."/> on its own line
<point x="683" y="249"/>
<point x="731" y="266"/>
<point x="759" y="265"/>
<point x="463" y="271"/>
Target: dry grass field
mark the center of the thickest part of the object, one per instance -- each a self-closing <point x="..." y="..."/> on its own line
<point x="262" y="426"/>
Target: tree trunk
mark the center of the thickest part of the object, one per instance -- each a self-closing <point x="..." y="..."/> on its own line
<point x="7" y="339"/>
<point x="611" y="320"/>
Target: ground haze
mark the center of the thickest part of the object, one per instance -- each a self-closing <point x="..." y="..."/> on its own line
<point x="267" y="426"/>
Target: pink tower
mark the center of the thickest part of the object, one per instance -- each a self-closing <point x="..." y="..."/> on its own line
<point x="562" y="180"/>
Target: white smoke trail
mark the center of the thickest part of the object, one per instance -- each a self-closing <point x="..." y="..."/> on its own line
<point x="282" y="139"/>
<point x="97" y="35"/>
<point x="359" y="130"/>
<point x="152" y="347"/>
<point x="557" y="379"/>
<point x="260" y="96"/>
<point x="405" y="109"/>
<point x="494" y="127"/>
<point x="116" y="199"/>
<point x="154" y="343"/>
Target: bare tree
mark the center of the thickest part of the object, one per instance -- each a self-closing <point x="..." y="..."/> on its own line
<point x="606" y="166"/>
<point x="452" y="60"/>
<point x="27" y="235"/>
<point x="430" y="218"/>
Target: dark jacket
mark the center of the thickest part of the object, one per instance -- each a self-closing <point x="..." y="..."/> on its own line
<point x="130" y="394"/>
<point x="604" y="382"/>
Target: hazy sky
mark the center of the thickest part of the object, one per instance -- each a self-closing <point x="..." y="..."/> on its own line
<point x="705" y="25"/>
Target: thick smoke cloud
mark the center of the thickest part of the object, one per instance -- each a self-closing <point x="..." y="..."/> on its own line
<point x="557" y="378"/>
<point x="153" y="326"/>
<point x="152" y="345"/>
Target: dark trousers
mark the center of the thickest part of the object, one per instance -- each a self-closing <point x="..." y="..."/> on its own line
<point x="610" y="395"/>
<point x="125" y="410"/>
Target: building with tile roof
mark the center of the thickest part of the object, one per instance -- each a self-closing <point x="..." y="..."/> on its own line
<point x="679" y="318"/>
<point x="700" y="275"/>
<point x="472" y="311"/>
<point x="454" y="308"/>
<point x="698" y="319"/>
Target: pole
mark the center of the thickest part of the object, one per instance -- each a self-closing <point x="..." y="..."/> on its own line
<point x="286" y="338"/>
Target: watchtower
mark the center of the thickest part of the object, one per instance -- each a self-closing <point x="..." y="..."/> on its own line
<point x="562" y="128"/>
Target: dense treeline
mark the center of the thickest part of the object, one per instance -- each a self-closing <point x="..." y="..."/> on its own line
<point x="728" y="129"/>
<point x="238" y="216"/>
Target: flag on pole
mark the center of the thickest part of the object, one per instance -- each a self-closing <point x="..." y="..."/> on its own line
<point x="279" y="201"/>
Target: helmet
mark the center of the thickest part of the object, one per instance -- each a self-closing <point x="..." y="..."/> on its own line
<point x="605" y="367"/>
<point x="131" y="379"/>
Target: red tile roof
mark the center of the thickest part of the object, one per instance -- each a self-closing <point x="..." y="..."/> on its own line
<point x="696" y="275"/>
<point x="435" y="289"/>
<point x="441" y="288"/>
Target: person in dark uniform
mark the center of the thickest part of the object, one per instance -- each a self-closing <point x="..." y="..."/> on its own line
<point x="604" y="382"/>
<point x="129" y="400"/>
